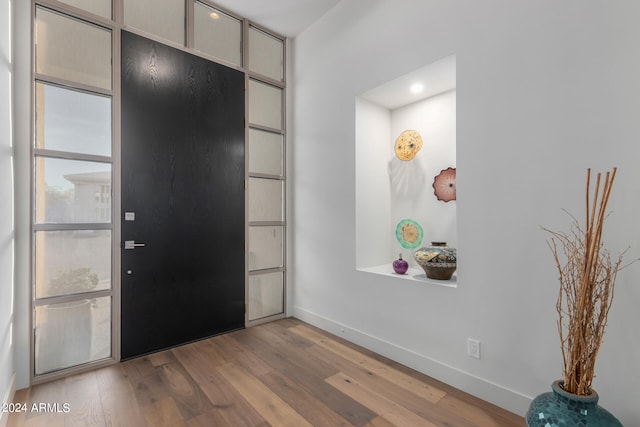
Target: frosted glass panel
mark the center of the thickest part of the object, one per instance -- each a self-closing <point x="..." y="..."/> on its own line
<point x="71" y="191"/>
<point x="72" y="333"/>
<point x="265" y="247"/>
<point x="72" y="50"/>
<point x="218" y="34"/>
<point x="265" y="199"/>
<point x="266" y="296"/>
<point x="164" y="18"/>
<point x="266" y="152"/>
<point x="73" y="121"/>
<point x="266" y="54"/>
<point x="99" y="7"/>
<point x="265" y="105"/>
<point x="72" y="262"/>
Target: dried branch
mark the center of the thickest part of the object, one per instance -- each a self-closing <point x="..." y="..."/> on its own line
<point x="587" y="276"/>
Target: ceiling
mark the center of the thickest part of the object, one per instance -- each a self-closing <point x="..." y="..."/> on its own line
<point x="285" y="17"/>
<point x="435" y="78"/>
<point x="291" y="17"/>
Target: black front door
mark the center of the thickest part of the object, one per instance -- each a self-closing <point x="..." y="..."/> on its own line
<point x="182" y="197"/>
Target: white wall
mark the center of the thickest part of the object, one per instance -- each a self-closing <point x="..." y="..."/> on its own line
<point x="373" y="210"/>
<point x="6" y="208"/>
<point x="544" y="90"/>
<point x="21" y="120"/>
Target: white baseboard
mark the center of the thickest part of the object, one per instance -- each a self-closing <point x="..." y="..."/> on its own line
<point x="484" y="389"/>
<point x="8" y="398"/>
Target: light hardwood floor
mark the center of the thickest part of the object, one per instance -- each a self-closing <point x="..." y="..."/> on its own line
<point x="284" y="373"/>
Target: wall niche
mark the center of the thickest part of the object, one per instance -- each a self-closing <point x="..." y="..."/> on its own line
<point x="405" y="138"/>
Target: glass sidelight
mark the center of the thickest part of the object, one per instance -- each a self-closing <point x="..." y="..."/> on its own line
<point x="266" y="177"/>
<point x="72" y="190"/>
<point x="71" y="333"/>
<point x="71" y="262"/>
<point x="266" y="105"/>
<point x="266" y="199"/>
<point x="73" y="50"/>
<point x="266" y="54"/>
<point x="266" y="152"/>
<point x="266" y="247"/>
<point x="72" y="120"/>
<point x="266" y="294"/>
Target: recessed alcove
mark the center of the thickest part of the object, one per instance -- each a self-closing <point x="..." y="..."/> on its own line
<point x="390" y="190"/>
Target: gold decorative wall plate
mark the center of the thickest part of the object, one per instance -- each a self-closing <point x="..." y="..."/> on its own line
<point x="408" y="144"/>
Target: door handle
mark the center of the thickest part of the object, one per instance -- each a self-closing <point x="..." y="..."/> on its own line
<point x="131" y="244"/>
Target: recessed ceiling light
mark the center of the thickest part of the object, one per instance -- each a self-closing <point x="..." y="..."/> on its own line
<point x="214" y="15"/>
<point x="416" y="88"/>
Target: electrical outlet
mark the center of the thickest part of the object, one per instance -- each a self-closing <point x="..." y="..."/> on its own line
<point x="473" y="348"/>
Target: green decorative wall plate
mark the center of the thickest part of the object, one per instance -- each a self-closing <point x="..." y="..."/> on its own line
<point x="409" y="233"/>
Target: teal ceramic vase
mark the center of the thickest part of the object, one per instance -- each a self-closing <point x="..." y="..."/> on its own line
<point x="561" y="409"/>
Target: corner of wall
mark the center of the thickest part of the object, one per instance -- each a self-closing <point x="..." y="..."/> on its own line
<point x="21" y="118"/>
<point x="7" y="194"/>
